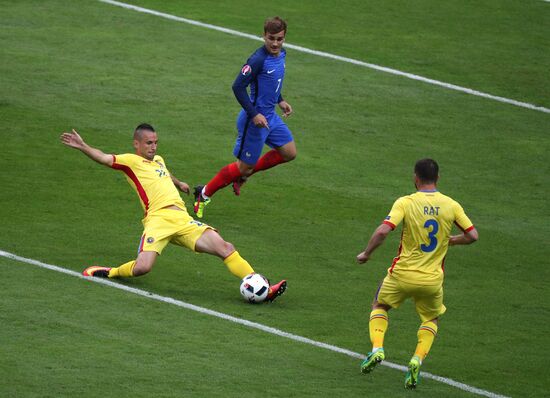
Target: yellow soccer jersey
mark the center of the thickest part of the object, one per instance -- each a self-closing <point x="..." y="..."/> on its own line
<point x="151" y="181"/>
<point x="428" y="218"/>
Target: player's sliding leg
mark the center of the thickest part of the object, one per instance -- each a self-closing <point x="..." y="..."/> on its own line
<point x="378" y="325"/>
<point x="212" y="243"/>
<point x="426" y="336"/>
<point x="141" y="266"/>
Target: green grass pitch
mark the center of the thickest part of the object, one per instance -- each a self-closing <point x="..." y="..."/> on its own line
<point x="103" y="70"/>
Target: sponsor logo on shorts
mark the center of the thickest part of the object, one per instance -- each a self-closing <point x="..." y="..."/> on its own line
<point x="150" y="239"/>
<point x="246" y="70"/>
<point x="248" y="154"/>
<point x="388" y="218"/>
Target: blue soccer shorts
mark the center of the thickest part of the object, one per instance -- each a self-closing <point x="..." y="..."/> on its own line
<point x="251" y="139"/>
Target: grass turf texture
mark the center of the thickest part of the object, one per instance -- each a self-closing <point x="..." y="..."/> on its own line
<point x="150" y="349"/>
<point x="103" y="70"/>
<point x="499" y="47"/>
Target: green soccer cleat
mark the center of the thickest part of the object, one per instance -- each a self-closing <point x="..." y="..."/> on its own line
<point x="372" y="359"/>
<point x="413" y="375"/>
<point x="200" y="201"/>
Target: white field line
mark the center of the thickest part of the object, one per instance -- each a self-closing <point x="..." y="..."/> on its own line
<point x="335" y="57"/>
<point x="244" y="322"/>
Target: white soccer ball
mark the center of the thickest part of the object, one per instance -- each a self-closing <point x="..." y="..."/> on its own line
<point x="254" y="288"/>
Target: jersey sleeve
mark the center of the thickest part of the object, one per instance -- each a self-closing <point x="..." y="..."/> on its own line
<point x="461" y="219"/>
<point x="125" y="159"/>
<point x="396" y="215"/>
<point x="247" y="75"/>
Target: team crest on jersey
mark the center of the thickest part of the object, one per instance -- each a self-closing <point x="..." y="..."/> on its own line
<point x="246" y="70"/>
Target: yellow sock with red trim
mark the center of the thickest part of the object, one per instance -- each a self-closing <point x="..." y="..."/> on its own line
<point x="426" y="336"/>
<point x="237" y="265"/>
<point x="378" y="325"/>
<point x="124" y="271"/>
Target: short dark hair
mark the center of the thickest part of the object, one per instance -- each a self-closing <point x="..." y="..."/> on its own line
<point x="427" y="170"/>
<point x="274" y="25"/>
<point x="141" y="128"/>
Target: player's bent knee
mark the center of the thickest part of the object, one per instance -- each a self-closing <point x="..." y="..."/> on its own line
<point x="226" y="249"/>
<point x="289" y="156"/>
<point x="246" y="170"/>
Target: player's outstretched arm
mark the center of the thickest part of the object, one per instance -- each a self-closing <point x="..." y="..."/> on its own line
<point x="182" y="186"/>
<point x="466" y="238"/>
<point x="376" y="240"/>
<point x="74" y="140"/>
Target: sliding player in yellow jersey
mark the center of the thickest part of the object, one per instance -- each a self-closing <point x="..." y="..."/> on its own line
<point x="166" y="219"/>
<point x="417" y="271"/>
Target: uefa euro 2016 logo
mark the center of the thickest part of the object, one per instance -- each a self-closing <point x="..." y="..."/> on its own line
<point x="246" y="70"/>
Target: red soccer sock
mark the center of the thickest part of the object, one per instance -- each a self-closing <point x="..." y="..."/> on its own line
<point x="225" y="176"/>
<point x="269" y="160"/>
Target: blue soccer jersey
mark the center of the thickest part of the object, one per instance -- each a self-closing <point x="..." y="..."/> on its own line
<point x="264" y="73"/>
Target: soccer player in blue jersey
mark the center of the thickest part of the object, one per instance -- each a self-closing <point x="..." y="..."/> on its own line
<point x="257" y="123"/>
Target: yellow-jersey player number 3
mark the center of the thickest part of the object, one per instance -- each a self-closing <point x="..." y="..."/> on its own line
<point x="434" y="226"/>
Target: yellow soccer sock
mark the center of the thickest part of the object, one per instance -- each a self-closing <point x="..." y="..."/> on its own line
<point x="125" y="270"/>
<point x="426" y="335"/>
<point x="237" y="265"/>
<point x="378" y="325"/>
